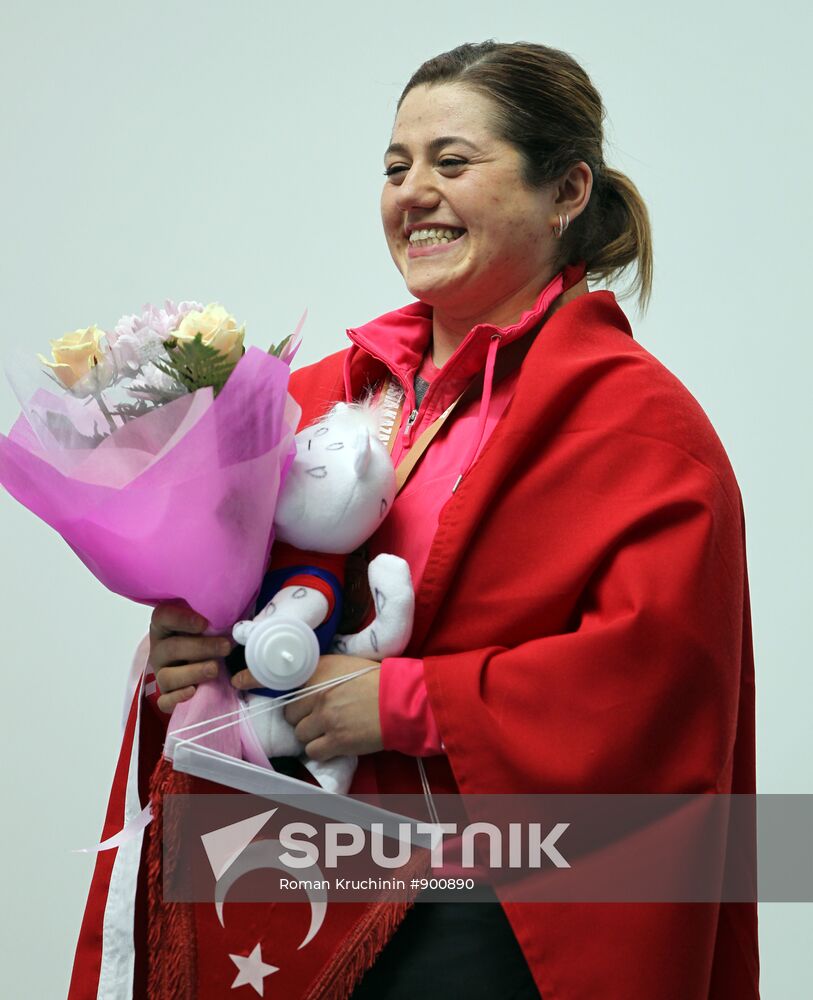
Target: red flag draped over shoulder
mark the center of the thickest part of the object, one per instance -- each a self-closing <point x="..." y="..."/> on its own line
<point x="584" y="623"/>
<point x="594" y="635"/>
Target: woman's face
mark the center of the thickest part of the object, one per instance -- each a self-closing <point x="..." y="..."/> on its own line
<point x="447" y="170"/>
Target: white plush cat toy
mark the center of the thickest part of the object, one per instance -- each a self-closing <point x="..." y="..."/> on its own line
<point x="339" y="488"/>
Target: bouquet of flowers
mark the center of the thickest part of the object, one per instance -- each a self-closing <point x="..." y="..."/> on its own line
<point x="157" y="451"/>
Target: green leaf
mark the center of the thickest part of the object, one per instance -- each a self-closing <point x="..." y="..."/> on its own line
<point x="195" y="364"/>
<point x="276" y="351"/>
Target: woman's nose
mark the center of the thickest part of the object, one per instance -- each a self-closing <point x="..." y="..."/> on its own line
<point x="417" y="190"/>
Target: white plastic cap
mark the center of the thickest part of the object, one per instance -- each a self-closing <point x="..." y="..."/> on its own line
<point x="282" y="652"/>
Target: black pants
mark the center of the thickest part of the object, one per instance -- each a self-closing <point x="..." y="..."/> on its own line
<point x="450" y="951"/>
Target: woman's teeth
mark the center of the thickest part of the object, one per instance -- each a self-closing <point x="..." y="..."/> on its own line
<point x="431" y="237"/>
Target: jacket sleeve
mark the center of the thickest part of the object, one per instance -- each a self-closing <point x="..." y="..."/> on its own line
<point x="408" y="724"/>
<point x="634" y="685"/>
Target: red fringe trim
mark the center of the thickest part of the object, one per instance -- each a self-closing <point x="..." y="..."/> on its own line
<point x="171" y="944"/>
<point x="366" y="940"/>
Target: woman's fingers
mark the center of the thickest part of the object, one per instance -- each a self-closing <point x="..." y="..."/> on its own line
<point x="311" y="727"/>
<point x="180" y="649"/>
<point x="299" y="709"/>
<point x="321" y="749"/>
<point x="173" y="678"/>
<point x="169" y="618"/>
<point x="180" y="657"/>
<point x="178" y="683"/>
<point x="244" y="680"/>
<point x="168" y="701"/>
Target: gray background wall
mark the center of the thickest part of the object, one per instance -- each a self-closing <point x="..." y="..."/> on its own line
<point x="233" y="152"/>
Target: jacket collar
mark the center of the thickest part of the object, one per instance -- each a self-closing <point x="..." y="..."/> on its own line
<point x="396" y="342"/>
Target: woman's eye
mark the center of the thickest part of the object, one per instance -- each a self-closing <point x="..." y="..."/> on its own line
<point x="447" y="162"/>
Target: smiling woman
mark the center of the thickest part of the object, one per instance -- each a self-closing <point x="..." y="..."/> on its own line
<point x="483" y="153"/>
<point x="574" y="532"/>
<point x="448" y="169"/>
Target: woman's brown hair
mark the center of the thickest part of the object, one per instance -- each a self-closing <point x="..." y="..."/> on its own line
<point x="548" y="109"/>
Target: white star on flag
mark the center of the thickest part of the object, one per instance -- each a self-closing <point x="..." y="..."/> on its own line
<point x="252" y="970"/>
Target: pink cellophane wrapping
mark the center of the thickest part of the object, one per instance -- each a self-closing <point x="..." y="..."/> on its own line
<point x="177" y="504"/>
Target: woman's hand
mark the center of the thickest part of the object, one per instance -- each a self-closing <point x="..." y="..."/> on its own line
<point x="180" y="656"/>
<point x="342" y="720"/>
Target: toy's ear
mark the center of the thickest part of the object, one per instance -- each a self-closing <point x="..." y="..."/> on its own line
<point x="361" y="460"/>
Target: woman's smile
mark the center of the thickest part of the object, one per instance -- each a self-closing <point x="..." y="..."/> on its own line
<point x="434" y="245"/>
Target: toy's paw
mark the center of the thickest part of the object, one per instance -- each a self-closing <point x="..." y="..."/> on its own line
<point x="334" y="775"/>
<point x="241" y="631"/>
<point x="390" y="584"/>
<point x="387" y="635"/>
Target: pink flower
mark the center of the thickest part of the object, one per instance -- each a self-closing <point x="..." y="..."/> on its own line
<point x="138" y="340"/>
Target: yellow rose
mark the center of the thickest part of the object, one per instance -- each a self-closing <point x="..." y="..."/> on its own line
<point x="217" y="329"/>
<point x="75" y="356"/>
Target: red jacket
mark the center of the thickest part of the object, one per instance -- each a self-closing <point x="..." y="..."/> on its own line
<point x="584" y="623"/>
